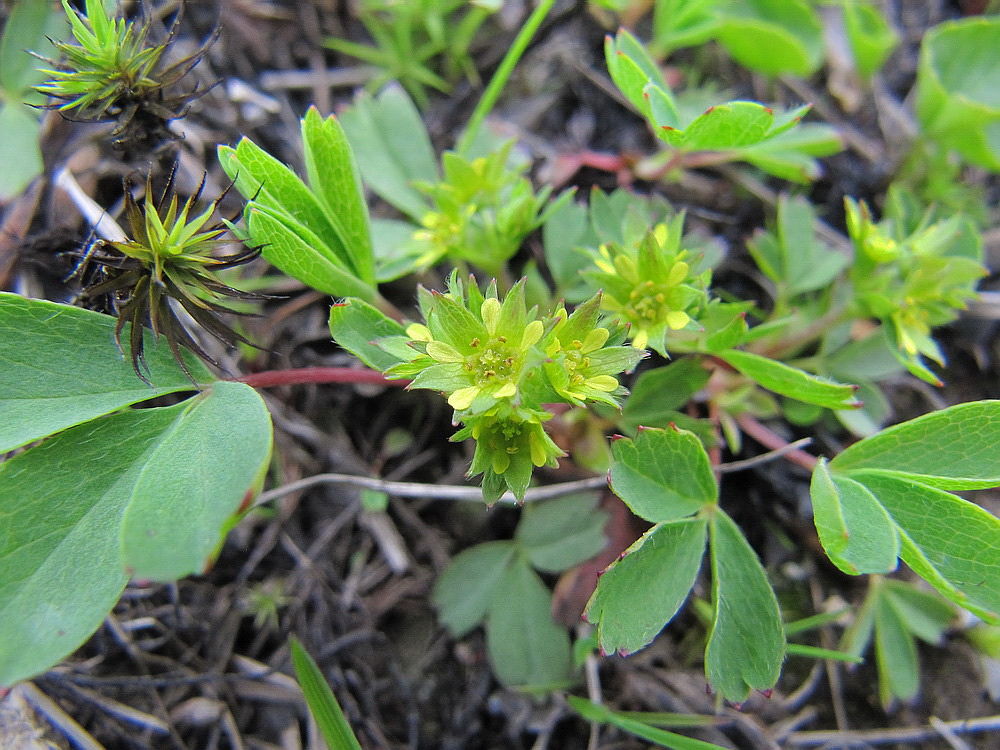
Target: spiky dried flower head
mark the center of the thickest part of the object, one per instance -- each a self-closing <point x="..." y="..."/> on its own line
<point x="170" y="260"/>
<point x="114" y="73"/>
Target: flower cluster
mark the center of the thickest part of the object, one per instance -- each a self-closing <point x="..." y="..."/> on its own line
<point x="499" y="363"/>
<point x="483" y="210"/>
<point x="651" y="285"/>
<point x="913" y="273"/>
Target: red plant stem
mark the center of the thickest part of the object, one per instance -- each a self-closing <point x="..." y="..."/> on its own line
<point x="298" y="376"/>
<point x="773" y="441"/>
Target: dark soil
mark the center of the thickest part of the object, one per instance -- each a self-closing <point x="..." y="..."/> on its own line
<point x="187" y="665"/>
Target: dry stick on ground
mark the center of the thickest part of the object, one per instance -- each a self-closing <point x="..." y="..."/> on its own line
<point x="887" y="736"/>
<point x="468" y="493"/>
<point x="62" y="721"/>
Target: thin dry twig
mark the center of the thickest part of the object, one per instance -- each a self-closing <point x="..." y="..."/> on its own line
<point x="770" y="439"/>
<point x="432" y="491"/>
<point x="887" y="736"/>
<point x="58" y="718"/>
<point x="948" y="734"/>
<point x="749" y="463"/>
<point x="469" y="493"/>
<point x="281" y="80"/>
<point x="120" y="711"/>
<point x="104" y="226"/>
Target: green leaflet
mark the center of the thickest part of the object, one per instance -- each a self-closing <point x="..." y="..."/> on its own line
<point x="792" y="256"/>
<point x="895" y="654"/>
<point x="722" y="127"/>
<point x="893" y="614"/>
<point x="773" y="37"/>
<point x="300" y="253"/>
<point x="561" y="533"/>
<point x="393" y="148"/>
<point x="494" y="582"/>
<point x="957" y="448"/>
<point x="465" y="589"/>
<point x="790" y="381"/>
<point x="526" y="647"/>
<point x="746" y="643"/>
<point x="336" y="182"/>
<point x="356" y="326"/>
<point x="955" y="101"/>
<point x="659" y="393"/>
<point x="62" y="505"/>
<point x="204" y="469"/>
<point x="86" y="500"/>
<point x="855" y="530"/>
<point x="59" y="368"/>
<point x="870" y="35"/>
<point x="642" y="591"/>
<point x="318" y="233"/>
<point x="951" y="543"/>
<point x="662" y="475"/>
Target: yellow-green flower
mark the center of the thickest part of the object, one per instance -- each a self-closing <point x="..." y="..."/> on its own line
<point x="651" y="285"/>
<point x="583" y="360"/>
<point x="482" y="210"/>
<point x="499" y="364"/>
<point x="507" y="450"/>
<point x="913" y="272"/>
<point x="478" y="352"/>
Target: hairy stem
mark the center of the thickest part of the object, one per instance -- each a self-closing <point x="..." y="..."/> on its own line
<point x="298" y="376"/>
<point x="774" y="441"/>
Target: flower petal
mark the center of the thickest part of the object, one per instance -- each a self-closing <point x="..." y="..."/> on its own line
<point x="462" y="398"/>
<point x="491" y="314"/>
<point x="507" y="390"/>
<point x="500" y="461"/>
<point x="532" y="333"/>
<point x="595" y="340"/>
<point x="443" y="352"/>
<point x="419" y="332"/>
<point x="677" y="319"/>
